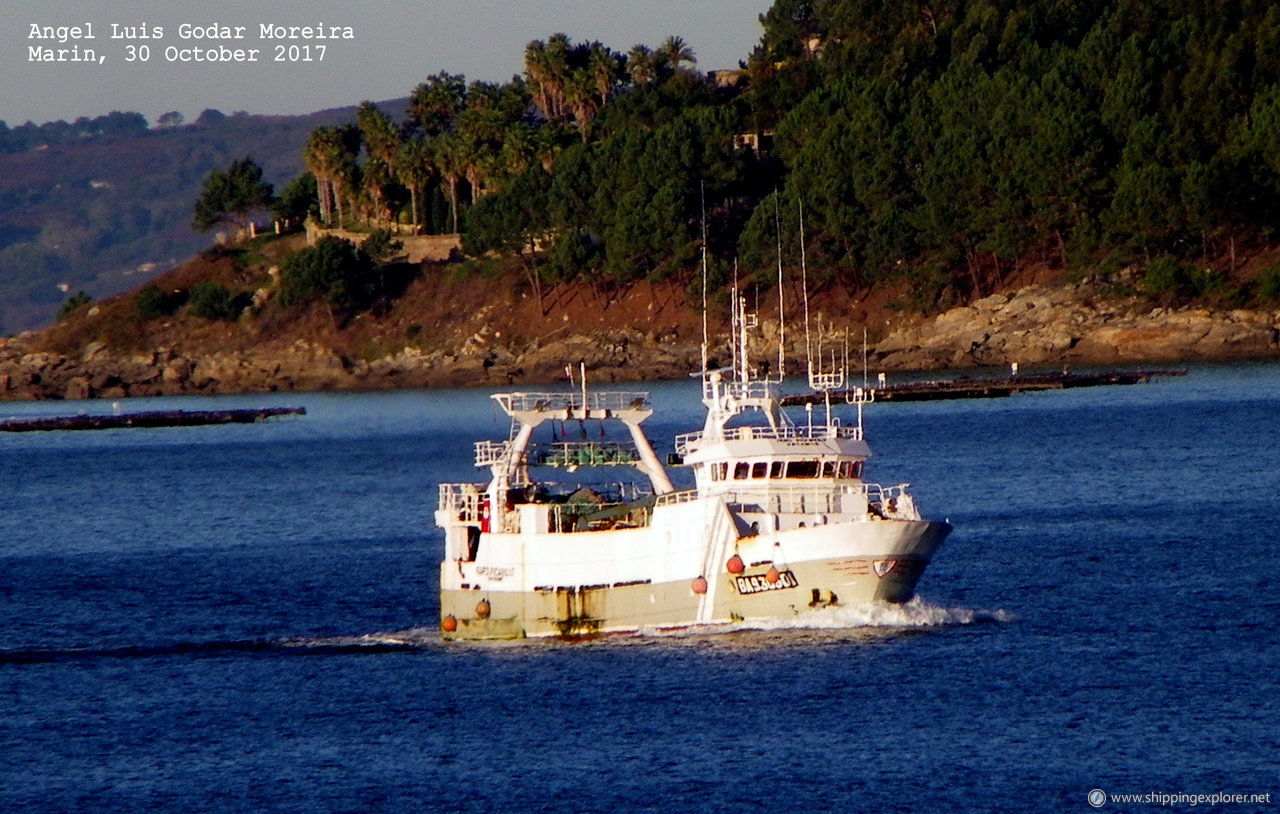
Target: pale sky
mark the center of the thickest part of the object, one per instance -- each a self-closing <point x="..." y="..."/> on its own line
<point x="397" y="44"/>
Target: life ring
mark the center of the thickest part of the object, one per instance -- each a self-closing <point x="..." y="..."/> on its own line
<point x="484" y="515"/>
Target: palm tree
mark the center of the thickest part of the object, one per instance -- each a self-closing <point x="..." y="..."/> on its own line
<point x="536" y="75"/>
<point x="313" y="157"/>
<point x="546" y="145"/>
<point x="415" y="170"/>
<point x="382" y="142"/>
<point x="378" y="177"/>
<point x="641" y="64"/>
<point x="341" y="146"/>
<point x="559" y="49"/>
<point x="604" y="67"/>
<point x="381" y="138"/>
<point x="346" y="181"/>
<point x="328" y="157"/>
<point x="476" y="157"/>
<point x="580" y="95"/>
<point x="449" y="155"/>
<point x="675" y="51"/>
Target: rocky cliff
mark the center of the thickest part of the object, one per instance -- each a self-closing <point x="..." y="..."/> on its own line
<point x="1050" y="325"/>
<point x="304" y="366"/>
<point x="1035" y="325"/>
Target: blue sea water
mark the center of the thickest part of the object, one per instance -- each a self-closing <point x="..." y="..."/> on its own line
<point x="243" y="618"/>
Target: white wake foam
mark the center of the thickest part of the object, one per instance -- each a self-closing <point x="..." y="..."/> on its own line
<point x="411" y="637"/>
<point x="408" y="638"/>
<point x="914" y="614"/>
<point x="878" y="618"/>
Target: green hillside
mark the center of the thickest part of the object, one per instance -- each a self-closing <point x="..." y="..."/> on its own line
<point x="941" y="147"/>
<point x="101" y="205"/>
<point x="950" y="141"/>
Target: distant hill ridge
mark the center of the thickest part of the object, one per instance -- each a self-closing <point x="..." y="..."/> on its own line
<point x="100" y="205"/>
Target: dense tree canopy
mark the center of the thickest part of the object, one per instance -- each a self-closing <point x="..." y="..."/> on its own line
<point x="334" y="271"/>
<point x="232" y="194"/>
<point x="970" y="134"/>
<point x="946" y="142"/>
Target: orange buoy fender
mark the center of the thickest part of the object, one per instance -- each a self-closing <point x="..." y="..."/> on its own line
<point x="735" y="565"/>
<point x="699" y="585"/>
<point x="482" y="609"/>
<point x="449" y="623"/>
<point x="773" y="575"/>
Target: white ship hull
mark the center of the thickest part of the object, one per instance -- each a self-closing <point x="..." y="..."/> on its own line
<point x="677" y="573"/>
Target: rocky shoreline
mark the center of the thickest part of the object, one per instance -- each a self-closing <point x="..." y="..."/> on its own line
<point x="1036" y="325"/>
<point x="27" y="375"/>
<point x="1051" y="325"/>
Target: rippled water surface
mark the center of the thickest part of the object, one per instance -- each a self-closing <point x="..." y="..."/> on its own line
<point x="243" y="618"/>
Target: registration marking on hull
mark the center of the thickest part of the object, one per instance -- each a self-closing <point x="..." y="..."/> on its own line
<point x="759" y="584"/>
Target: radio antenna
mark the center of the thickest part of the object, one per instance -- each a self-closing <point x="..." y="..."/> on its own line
<point x="782" y="317"/>
<point x="704" y="276"/>
<point x="734" y="326"/>
<point x="864" y="357"/>
<point x="804" y="287"/>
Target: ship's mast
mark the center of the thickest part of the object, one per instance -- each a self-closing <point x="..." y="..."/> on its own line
<point x="820" y="380"/>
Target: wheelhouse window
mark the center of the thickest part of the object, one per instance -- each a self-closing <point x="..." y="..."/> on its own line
<point x="776" y="470"/>
<point x="802" y="469"/>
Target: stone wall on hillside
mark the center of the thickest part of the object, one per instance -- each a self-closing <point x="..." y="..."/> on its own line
<point x="417" y="248"/>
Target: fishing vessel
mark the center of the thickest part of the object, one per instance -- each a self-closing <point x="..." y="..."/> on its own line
<point x="778" y="523"/>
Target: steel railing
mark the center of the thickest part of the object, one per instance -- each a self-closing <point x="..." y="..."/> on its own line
<point x="463" y="499"/>
<point x="611" y="400"/>
<point x="563" y="454"/>
<point x="886" y="501"/>
<point x="791" y="435"/>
